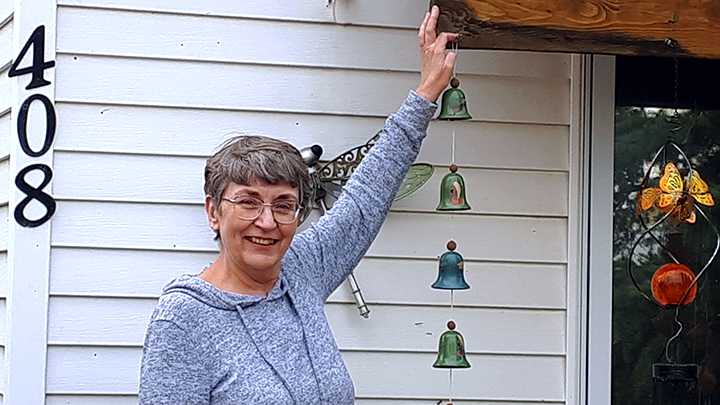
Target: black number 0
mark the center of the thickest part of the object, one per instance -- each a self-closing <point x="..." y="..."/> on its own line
<point x="50" y="120"/>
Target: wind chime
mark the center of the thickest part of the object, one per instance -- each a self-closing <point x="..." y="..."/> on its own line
<point x="451" y="348"/>
<point x="453" y="108"/>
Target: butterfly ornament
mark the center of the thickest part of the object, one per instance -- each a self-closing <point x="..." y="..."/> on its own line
<point x="676" y="197"/>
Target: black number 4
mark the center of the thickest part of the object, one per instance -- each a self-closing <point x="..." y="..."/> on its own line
<point x="37" y="40"/>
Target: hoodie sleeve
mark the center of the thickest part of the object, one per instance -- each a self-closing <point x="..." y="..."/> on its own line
<point x="171" y="371"/>
<point x="331" y="248"/>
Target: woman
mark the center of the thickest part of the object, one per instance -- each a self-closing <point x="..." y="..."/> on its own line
<point x="251" y="328"/>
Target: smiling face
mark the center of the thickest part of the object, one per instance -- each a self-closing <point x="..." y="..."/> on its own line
<point x="255" y="247"/>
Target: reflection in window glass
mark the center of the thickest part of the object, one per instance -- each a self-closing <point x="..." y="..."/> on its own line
<point x="687" y="367"/>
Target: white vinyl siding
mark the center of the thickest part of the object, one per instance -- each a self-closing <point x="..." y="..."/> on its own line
<point x="3" y="243"/>
<point x="6" y="42"/>
<point x="6" y="45"/>
<point x="145" y="92"/>
<point x="5" y="179"/>
<point x="3" y="324"/>
<point x="6" y="11"/>
<point x="6" y="93"/>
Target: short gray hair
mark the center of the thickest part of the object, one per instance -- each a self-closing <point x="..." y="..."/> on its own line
<point x="245" y="159"/>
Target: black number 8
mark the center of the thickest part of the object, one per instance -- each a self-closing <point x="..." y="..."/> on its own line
<point x="51" y="123"/>
<point x="34" y="193"/>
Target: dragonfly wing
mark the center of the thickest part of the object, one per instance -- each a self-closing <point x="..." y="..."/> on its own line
<point x="340" y="168"/>
<point x="416" y="177"/>
<point x="334" y="188"/>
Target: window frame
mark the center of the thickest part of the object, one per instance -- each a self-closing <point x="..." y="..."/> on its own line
<point x="595" y="233"/>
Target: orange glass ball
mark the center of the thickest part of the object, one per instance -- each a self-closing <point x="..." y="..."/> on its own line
<point x="670" y="282"/>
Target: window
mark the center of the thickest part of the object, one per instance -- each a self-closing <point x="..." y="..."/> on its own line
<point x="654" y="105"/>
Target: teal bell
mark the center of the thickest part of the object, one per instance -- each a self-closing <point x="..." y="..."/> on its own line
<point x="451" y="351"/>
<point x="454" y="104"/>
<point x="451" y="275"/>
<point x="452" y="192"/>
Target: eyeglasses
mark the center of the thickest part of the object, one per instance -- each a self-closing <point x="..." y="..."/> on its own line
<point x="250" y="208"/>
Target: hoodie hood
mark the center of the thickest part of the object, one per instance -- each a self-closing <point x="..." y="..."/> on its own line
<point x="207" y="293"/>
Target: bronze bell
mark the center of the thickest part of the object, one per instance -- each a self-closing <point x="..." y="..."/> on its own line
<point x="451" y="275"/>
<point x="452" y="192"/>
<point x="454" y="104"/>
<point x="451" y="353"/>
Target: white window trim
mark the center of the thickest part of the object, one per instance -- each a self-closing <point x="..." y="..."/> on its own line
<point x="599" y="226"/>
<point x="577" y="227"/>
<point x="589" y="296"/>
<point x="28" y="248"/>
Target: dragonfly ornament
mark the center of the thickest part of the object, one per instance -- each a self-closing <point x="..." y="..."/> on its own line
<point x="329" y="178"/>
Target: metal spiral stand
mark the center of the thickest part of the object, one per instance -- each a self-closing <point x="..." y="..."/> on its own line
<point x="671" y="371"/>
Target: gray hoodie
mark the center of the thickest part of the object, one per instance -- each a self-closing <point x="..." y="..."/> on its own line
<point x="207" y="346"/>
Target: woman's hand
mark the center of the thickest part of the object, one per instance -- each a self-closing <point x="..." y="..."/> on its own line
<point x="437" y="63"/>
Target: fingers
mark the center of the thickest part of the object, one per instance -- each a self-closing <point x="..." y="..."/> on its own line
<point x="445" y="69"/>
<point x="429" y="32"/>
<point x="432" y="22"/>
<point x="449" y="63"/>
<point x="427" y="35"/>
<point x="437" y="62"/>
<point x="443" y="39"/>
<point x="423" y="27"/>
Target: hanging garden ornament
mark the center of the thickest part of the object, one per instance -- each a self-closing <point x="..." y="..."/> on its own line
<point x="451" y="275"/>
<point x="454" y="104"/>
<point x="671" y="283"/>
<point x="681" y="200"/>
<point x="451" y="351"/>
<point x="675" y="196"/>
<point x="452" y="192"/>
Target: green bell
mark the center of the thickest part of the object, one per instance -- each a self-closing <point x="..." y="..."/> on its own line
<point x="454" y="104"/>
<point x="451" y="275"/>
<point x="451" y="353"/>
<point x="452" y="192"/>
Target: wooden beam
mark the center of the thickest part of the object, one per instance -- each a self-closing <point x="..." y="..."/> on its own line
<point x="688" y="28"/>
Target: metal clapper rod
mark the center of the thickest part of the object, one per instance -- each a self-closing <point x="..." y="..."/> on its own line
<point x="362" y="306"/>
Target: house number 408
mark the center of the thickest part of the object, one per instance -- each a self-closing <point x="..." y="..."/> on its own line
<point x="37" y="70"/>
